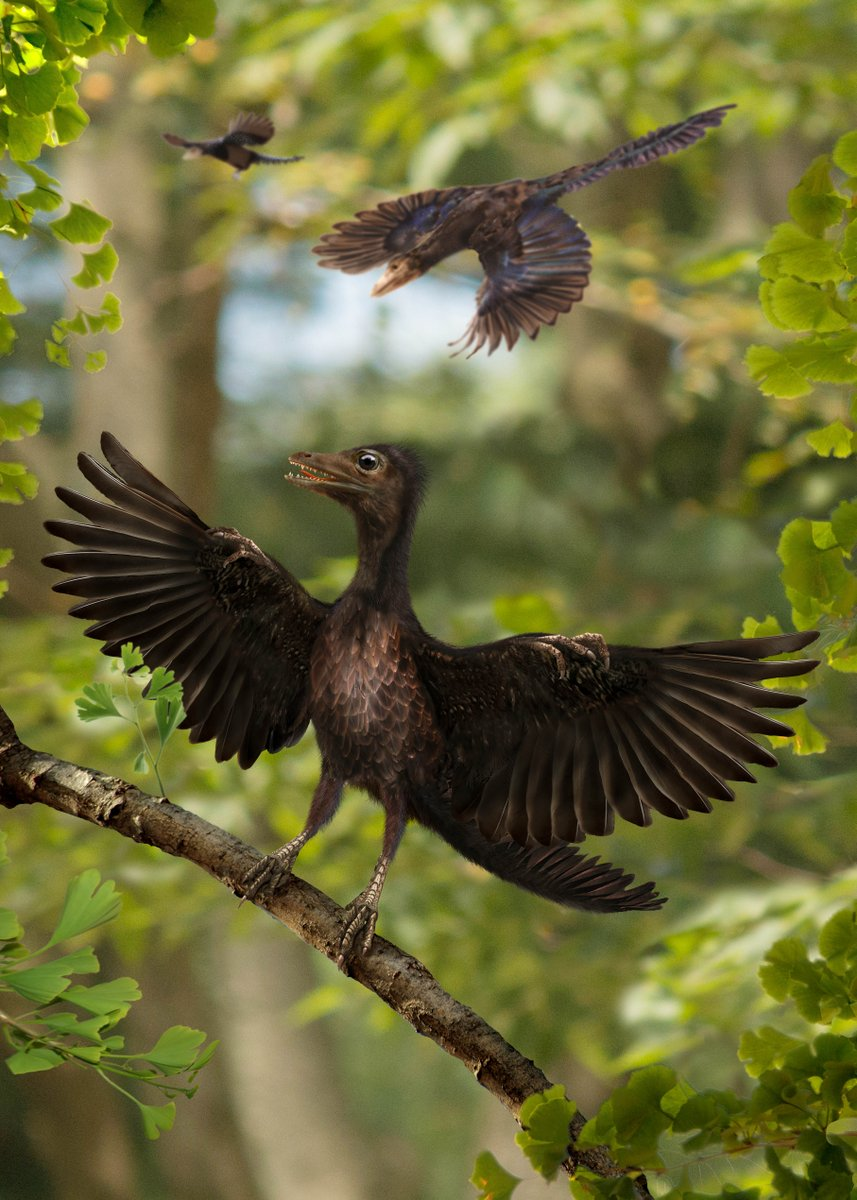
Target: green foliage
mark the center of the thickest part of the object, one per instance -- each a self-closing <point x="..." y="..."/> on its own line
<point x="107" y="318"/>
<point x="801" y="1111"/>
<point x="167" y="25"/>
<point x="74" y="1023"/>
<point x="545" y="1134"/>
<point x="44" y="50"/>
<point x="17" y="484"/>
<point x="493" y="1181"/>
<point x="142" y="696"/>
<point x="809" y="270"/>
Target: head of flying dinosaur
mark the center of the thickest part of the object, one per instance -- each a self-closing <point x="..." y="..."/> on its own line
<point x="382" y="484"/>
<point x="400" y="270"/>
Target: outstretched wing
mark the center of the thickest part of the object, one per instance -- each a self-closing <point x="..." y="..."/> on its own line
<point x="666" y="140"/>
<point x="235" y="627"/>
<point x="537" y="270"/>
<point x="392" y="227"/>
<point x="249" y="129"/>
<point x="546" y="741"/>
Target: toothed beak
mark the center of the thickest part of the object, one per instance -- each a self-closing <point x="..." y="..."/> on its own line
<point x="323" y="473"/>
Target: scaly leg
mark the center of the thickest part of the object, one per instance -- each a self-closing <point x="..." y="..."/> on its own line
<point x="270" y="872"/>
<point x="361" y="915"/>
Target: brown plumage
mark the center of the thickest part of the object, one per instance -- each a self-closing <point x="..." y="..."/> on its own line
<point x="535" y="257"/>
<point x="509" y="750"/>
<point x="236" y="145"/>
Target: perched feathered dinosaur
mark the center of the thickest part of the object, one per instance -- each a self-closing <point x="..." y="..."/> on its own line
<point x="535" y="256"/>
<point x="509" y="750"/>
<point x="235" y="146"/>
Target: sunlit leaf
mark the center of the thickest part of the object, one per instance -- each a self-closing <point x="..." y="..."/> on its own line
<point x="167" y="24"/>
<point x="17" y="484"/>
<point x="845" y="153"/>
<point x="826" y="360"/>
<point x="163" y="684"/>
<point x="773" y="373"/>
<point x="98" y="267"/>
<point x="157" y="1118"/>
<point x="96" y="702"/>
<point x="175" y="1050"/>
<point x="791" y="251"/>
<point x="765" y="1047"/>
<point x="546" y="1136"/>
<point x="45" y="982"/>
<point x="69" y="120"/>
<point x="834" y="439"/>
<point x="9" y="304"/>
<point x="815" y="204"/>
<point x="110" y="312"/>
<point x="32" y="1059"/>
<point x="843" y="522"/>
<point x="168" y="715"/>
<point x="27" y="135"/>
<point x="132" y="658"/>
<point x="88" y="903"/>
<point x="808" y="738"/>
<point x="10" y="927"/>
<point x="798" y="305"/>
<point x="20" y="420"/>
<point x="837" y="939"/>
<point x="87" y="1054"/>
<point x="57" y="354"/>
<point x="33" y="92"/>
<point x="78" y="20"/>
<point x="105" y="997"/>
<point x="814" y="569"/>
<point x="80" y="224"/>
<point x="492" y="1181"/>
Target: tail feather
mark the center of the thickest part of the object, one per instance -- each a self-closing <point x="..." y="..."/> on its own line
<point x="560" y="873"/>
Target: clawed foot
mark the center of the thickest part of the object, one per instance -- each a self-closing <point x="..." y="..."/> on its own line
<point x="592" y="647"/>
<point x="361" y="916"/>
<point x="269" y="874"/>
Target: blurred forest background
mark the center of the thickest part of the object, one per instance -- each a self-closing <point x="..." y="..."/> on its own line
<point x="620" y="474"/>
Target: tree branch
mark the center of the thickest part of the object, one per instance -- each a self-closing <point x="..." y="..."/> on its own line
<point x="401" y="981"/>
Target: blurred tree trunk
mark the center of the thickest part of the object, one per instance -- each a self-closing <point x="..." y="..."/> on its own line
<point x="290" y="1106"/>
<point x="158" y="391"/>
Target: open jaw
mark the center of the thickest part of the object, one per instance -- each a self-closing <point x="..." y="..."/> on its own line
<point x="311" y="476"/>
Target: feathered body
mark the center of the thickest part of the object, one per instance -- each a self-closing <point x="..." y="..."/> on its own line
<point x="510" y="751"/>
<point x="536" y="258"/>
<point x="235" y="147"/>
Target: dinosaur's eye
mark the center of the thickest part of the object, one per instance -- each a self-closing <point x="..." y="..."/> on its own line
<point x="368" y="461"/>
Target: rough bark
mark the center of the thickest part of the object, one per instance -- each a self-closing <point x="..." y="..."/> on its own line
<point x="402" y="982"/>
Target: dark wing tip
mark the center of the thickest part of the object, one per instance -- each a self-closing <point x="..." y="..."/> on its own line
<point x="252" y="128"/>
<point x="174" y="139"/>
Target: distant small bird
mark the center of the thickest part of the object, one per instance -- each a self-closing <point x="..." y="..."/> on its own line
<point x="245" y="130"/>
<point x="509" y="750"/>
<point x="535" y="256"/>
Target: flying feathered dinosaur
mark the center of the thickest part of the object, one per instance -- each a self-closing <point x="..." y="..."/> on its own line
<point x="235" y="146"/>
<point x="510" y="750"/>
<point x="535" y="256"/>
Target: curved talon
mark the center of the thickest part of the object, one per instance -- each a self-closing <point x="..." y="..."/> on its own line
<point x="268" y="875"/>
<point x="592" y="646"/>
<point x="361" y="914"/>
